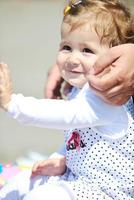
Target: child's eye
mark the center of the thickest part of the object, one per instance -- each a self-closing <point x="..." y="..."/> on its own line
<point x="66" y="47"/>
<point x="87" y="50"/>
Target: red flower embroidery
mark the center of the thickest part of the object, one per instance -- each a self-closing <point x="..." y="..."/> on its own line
<point x="76" y="139"/>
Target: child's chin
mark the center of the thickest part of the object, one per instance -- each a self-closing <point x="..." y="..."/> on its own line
<point x="77" y="85"/>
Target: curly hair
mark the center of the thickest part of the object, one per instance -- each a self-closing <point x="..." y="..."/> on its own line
<point x="111" y="20"/>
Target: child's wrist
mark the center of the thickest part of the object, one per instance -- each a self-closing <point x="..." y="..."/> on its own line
<point x="5" y="106"/>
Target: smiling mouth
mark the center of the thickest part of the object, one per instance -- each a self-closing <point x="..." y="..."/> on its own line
<point x="75" y="72"/>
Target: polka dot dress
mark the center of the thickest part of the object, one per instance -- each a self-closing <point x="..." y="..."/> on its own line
<point x="101" y="168"/>
<point x="98" y="167"/>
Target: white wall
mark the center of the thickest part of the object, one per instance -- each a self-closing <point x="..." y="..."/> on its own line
<point x="29" y="39"/>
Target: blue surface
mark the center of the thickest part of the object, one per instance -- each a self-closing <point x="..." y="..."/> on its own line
<point x="1" y="168"/>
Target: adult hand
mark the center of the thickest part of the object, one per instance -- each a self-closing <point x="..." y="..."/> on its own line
<point x="54" y="88"/>
<point x="53" y="84"/>
<point x="117" y="85"/>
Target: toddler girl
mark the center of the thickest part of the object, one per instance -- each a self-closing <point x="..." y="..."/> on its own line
<point x="98" y="136"/>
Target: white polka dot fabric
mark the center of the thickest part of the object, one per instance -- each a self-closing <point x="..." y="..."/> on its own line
<point x="98" y="167"/>
<point x="102" y="168"/>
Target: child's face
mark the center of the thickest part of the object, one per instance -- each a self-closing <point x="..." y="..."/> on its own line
<point x="78" y="48"/>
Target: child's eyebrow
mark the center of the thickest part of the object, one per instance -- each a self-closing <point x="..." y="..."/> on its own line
<point x="63" y="42"/>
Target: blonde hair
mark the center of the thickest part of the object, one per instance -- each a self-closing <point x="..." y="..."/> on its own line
<point x="110" y="19"/>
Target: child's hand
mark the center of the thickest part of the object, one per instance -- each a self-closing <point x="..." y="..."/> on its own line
<point x="50" y="167"/>
<point x="5" y="86"/>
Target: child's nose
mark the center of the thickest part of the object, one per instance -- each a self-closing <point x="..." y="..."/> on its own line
<point x="74" y="60"/>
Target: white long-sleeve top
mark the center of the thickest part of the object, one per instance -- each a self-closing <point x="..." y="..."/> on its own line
<point x="98" y="140"/>
<point x="85" y="110"/>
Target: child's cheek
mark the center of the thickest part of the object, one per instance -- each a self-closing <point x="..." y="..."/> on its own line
<point x="91" y="61"/>
<point x="60" y="61"/>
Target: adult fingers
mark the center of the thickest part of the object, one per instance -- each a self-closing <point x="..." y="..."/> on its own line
<point x="116" y="91"/>
<point x="53" y="83"/>
<point x="106" y="60"/>
<point x="119" y="99"/>
<point x="52" y="88"/>
<point x="103" y="83"/>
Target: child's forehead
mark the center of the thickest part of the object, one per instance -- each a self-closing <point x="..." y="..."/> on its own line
<point x="84" y="27"/>
<point x="89" y="19"/>
<point x="73" y="22"/>
<point x="82" y="35"/>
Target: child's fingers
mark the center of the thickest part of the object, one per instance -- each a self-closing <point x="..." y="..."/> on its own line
<point x="36" y="173"/>
<point x="37" y="166"/>
<point x="4" y="69"/>
<point x="43" y="164"/>
<point x="5" y="77"/>
<point x="2" y="73"/>
<point x="5" y="86"/>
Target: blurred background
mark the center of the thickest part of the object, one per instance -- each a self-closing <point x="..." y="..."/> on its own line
<point x="29" y="40"/>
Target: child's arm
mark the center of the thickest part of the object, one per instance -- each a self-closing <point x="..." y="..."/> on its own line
<point x="85" y="110"/>
<point x="5" y="86"/>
